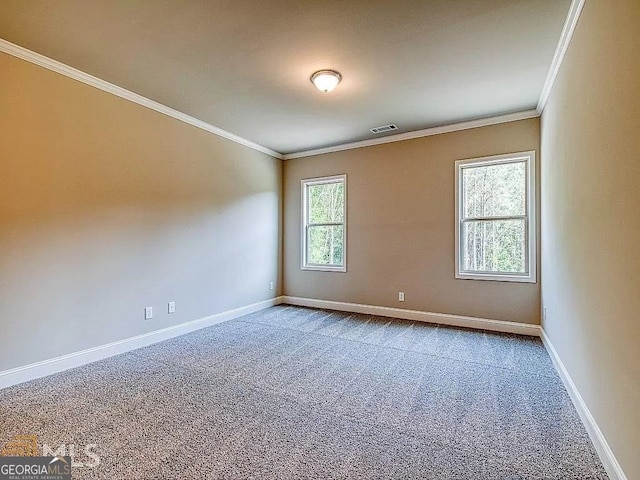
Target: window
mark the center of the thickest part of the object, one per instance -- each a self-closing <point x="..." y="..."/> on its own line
<point x="495" y="218"/>
<point x="323" y="222"/>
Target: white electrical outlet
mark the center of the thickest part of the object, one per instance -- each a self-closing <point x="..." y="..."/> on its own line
<point x="171" y="307"/>
<point x="148" y="313"/>
<point x="401" y="296"/>
<point x="271" y="286"/>
<point x="544" y="314"/>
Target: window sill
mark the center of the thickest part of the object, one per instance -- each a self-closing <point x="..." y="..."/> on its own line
<point x="325" y="268"/>
<point x="496" y="277"/>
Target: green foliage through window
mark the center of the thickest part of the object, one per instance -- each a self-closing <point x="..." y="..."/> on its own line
<point x="324" y="225"/>
<point x="494" y="218"/>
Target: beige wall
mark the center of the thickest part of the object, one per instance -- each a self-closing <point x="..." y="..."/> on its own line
<point x="107" y="207"/>
<point x="401" y="226"/>
<point x="591" y="220"/>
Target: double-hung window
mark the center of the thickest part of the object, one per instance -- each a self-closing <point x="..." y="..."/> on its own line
<point x="324" y="245"/>
<point x="495" y="218"/>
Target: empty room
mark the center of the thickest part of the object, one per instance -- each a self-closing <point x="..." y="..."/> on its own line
<point x="325" y="240"/>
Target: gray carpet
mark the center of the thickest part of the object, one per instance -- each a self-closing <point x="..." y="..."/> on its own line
<point x="293" y="392"/>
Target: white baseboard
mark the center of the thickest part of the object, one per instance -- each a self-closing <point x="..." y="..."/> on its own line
<point x="609" y="461"/>
<point x="419" y="316"/>
<point x="76" y="359"/>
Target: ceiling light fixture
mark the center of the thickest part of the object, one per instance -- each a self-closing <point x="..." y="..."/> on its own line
<point x="326" y="80"/>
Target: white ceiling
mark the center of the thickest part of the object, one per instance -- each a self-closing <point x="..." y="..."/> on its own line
<point x="244" y="66"/>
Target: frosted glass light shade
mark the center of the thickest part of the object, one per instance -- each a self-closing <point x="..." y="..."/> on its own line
<point x="326" y="80"/>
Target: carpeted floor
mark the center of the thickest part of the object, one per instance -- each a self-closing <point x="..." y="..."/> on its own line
<point x="292" y="392"/>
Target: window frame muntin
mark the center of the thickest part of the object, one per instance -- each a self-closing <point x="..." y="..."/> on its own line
<point x="528" y="157"/>
<point x="341" y="178"/>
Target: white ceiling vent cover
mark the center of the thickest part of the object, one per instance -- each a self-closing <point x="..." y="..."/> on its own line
<point x="384" y="128"/>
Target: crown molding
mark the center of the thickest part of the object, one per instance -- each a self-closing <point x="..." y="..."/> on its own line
<point x="58" y="67"/>
<point x="454" y="127"/>
<point x="565" y="38"/>
<point x="563" y="44"/>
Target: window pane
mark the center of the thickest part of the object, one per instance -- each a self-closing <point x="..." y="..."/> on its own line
<point x="494" y="246"/>
<point x="326" y="203"/>
<point x="325" y="245"/>
<point x="494" y="190"/>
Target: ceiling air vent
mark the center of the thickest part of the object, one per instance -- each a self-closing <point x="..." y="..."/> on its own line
<point x="384" y="128"/>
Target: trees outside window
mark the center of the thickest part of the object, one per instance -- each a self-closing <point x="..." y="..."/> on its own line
<point x="495" y="224"/>
<point x="324" y="223"/>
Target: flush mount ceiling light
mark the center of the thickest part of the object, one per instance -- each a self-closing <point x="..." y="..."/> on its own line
<point x="326" y="80"/>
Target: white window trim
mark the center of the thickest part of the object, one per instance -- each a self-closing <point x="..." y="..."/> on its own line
<point x="530" y="223"/>
<point x="317" y="181"/>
